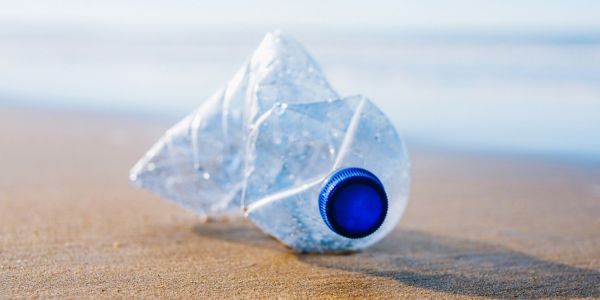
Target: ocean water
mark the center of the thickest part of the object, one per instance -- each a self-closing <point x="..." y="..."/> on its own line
<point x="534" y="93"/>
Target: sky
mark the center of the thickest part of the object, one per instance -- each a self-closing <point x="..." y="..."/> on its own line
<point x="428" y="14"/>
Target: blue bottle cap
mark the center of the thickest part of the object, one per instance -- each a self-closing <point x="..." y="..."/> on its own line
<point x="353" y="203"/>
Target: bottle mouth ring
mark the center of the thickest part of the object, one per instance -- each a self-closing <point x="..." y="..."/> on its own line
<point x="353" y="203"/>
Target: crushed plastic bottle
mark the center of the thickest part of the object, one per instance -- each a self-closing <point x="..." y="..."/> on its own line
<point x="318" y="172"/>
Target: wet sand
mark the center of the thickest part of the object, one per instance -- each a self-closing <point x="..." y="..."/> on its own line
<point x="476" y="225"/>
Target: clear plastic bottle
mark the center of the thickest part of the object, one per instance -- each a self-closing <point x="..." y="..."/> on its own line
<point x="318" y="172"/>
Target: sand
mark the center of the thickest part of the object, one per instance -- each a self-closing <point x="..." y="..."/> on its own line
<point x="476" y="226"/>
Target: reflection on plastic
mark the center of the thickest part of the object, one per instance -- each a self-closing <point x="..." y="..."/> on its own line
<point x="267" y="142"/>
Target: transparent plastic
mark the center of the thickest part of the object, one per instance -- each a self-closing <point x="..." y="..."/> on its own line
<point x="265" y="144"/>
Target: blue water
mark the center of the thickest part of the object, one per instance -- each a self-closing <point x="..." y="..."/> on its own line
<point x="535" y="92"/>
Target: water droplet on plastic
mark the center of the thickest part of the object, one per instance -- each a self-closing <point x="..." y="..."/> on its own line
<point x="305" y="133"/>
<point x="280" y="108"/>
<point x="206" y="175"/>
<point x="336" y="134"/>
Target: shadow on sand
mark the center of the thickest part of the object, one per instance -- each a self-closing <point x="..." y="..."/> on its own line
<point x="441" y="264"/>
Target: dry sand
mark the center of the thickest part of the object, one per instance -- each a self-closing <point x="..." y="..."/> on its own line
<point x="477" y="225"/>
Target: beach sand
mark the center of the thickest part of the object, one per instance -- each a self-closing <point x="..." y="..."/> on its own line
<point x="71" y="225"/>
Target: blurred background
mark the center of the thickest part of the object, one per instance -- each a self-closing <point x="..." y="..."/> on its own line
<point x="502" y="76"/>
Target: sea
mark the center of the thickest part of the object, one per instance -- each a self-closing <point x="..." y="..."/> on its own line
<point x="527" y="92"/>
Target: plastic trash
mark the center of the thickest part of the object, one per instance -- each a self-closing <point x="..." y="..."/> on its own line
<point x="317" y="171"/>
